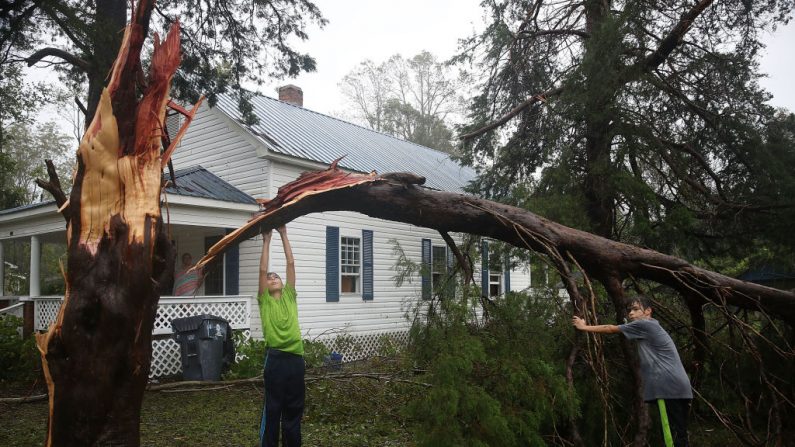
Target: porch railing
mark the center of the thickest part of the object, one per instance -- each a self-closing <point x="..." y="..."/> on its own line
<point x="165" y="351"/>
<point x="13" y="306"/>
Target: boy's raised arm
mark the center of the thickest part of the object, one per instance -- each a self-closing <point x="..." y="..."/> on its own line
<point x="263" y="262"/>
<point x="288" y="254"/>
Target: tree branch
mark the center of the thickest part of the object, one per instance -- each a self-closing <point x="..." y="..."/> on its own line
<point x="54" y="188"/>
<point x="59" y="53"/>
<point x="553" y="32"/>
<point x="541" y="97"/>
<point x="458" y="256"/>
<point x="78" y="41"/>
<point x="674" y="37"/>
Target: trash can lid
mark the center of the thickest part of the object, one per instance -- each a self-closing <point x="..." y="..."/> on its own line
<point x="187" y="324"/>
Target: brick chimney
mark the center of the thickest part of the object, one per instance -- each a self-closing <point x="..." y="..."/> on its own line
<point x="292" y="94"/>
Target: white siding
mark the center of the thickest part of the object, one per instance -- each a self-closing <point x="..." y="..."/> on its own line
<point x="387" y="310"/>
<point x="228" y="151"/>
<point x="225" y="149"/>
<point x="520" y="278"/>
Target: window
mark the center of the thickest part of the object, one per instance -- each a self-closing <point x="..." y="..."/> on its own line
<point x="495" y="283"/>
<point x="438" y="265"/>
<point x="350" y="264"/>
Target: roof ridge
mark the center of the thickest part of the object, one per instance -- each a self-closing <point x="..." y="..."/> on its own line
<point x="262" y="95"/>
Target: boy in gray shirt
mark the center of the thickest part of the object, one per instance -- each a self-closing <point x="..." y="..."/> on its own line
<point x="664" y="379"/>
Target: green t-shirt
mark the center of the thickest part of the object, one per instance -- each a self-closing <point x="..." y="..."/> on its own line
<point x="280" y="321"/>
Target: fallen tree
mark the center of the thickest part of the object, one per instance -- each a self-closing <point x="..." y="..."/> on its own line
<point x="400" y="197"/>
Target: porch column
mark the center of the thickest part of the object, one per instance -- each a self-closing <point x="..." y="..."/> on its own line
<point x="2" y="271"/>
<point x="35" y="263"/>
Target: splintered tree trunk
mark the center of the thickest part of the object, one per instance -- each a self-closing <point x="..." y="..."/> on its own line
<point x="96" y="355"/>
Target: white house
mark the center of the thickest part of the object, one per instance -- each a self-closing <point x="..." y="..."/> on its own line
<point x="344" y="260"/>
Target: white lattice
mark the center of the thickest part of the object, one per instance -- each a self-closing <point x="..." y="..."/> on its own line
<point x="361" y="346"/>
<point x="45" y="310"/>
<point x="166" y="360"/>
<point x="234" y="309"/>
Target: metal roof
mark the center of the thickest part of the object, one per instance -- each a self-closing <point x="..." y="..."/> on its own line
<point x="298" y="132"/>
<point x="196" y="181"/>
<point x="26" y="207"/>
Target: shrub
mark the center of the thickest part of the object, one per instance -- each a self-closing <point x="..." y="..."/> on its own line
<point x="20" y="357"/>
<point x="499" y="384"/>
<point x="251" y="354"/>
<point x="315" y="353"/>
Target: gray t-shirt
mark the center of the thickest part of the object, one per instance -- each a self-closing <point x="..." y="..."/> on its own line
<point x="663" y="375"/>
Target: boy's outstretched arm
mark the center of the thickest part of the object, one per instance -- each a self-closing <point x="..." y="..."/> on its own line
<point x="288" y="255"/>
<point x="263" y="262"/>
<point x="580" y="324"/>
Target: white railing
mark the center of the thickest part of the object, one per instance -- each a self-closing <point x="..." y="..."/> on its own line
<point x="234" y="309"/>
<point x="15" y="310"/>
<point x="165" y="351"/>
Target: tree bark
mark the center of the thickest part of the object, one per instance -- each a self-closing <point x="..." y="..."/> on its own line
<point x="96" y="355"/>
<point x="110" y="18"/>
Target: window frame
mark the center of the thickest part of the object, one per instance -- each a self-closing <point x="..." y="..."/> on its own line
<point x="499" y="283"/>
<point x="360" y="265"/>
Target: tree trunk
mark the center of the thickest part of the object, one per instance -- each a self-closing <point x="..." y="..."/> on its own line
<point x="110" y="18"/>
<point x="96" y="355"/>
<point x="397" y="197"/>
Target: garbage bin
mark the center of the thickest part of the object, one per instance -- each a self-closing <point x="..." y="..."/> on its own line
<point x="206" y="346"/>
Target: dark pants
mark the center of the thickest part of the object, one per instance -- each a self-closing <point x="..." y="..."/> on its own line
<point x="677" y="411"/>
<point x="284" y="399"/>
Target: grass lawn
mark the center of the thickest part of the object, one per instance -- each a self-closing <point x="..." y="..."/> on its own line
<point x="350" y="412"/>
<point x="353" y="411"/>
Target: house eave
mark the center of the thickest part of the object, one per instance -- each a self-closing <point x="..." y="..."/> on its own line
<point x="27" y="213"/>
<point x="200" y="202"/>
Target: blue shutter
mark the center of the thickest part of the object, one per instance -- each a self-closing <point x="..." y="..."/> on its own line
<point x="232" y="262"/>
<point x="484" y="267"/>
<point x="332" y="264"/>
<point x="426" y="269"/>
<point x="367" y="265"/>
<point x="507" y="266"/>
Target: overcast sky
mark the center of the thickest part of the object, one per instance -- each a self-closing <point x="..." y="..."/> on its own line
<point x="361" y="29"/>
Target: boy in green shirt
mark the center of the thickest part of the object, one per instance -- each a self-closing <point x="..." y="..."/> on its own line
<point x="284" y="350"/>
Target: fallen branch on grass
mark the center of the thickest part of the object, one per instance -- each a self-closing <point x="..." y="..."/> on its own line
<point x="23" y="400"/>
<point x="204" y="386"/>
